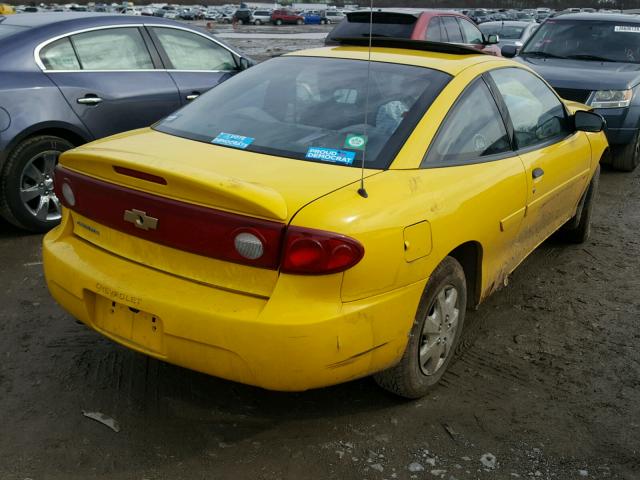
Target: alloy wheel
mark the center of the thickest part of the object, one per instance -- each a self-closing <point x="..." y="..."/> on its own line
<point x="36" y="186"/>
<point x="439" y="330"/>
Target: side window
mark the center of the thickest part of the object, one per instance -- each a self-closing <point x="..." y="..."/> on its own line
<point x="471" y="33"/>
<point x="59" y="55"/>
<point x="452" y="29"/>
<point x="536" y="113"/>
<point x="433" y="30"/>
<point x="189" y="51"/>
<point x="112" y="49"/>
<point x="472" y="129"/>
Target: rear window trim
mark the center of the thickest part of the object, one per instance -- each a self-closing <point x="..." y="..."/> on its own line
<point x="141" y="26"/>
<point x="388" y="153"/>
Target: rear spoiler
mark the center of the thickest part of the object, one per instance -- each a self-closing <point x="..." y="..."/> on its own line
<point x="406" y="43"/>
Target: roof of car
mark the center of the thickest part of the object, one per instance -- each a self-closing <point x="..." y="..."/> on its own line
<point x="448" y="63"/>
<point x="507" y="23"/>
<point x="416" y="12"/>
<point x="76" y="18"/>
<point x="608" y="17"/>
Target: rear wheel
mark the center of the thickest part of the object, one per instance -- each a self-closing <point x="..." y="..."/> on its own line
<point x="299" y="22"/>
<point x="257" y="22"/>
<point x="278" y="22"/>
<point x="626" y="158"/>
<point x="434" y="336"/>
<point x="578" y="229"/>
<point x="26" y="184"/>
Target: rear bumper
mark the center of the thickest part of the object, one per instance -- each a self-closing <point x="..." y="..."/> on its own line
<point x="296" y="340"/>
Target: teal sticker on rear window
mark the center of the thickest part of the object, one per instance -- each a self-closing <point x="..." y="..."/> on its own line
<point x="231" y="140"/>
<point x="331" y="155"/>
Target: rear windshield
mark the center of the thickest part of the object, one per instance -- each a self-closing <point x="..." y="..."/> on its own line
<point x="612" y="41"/>
<point x="385" y="24"/>
<point x="6" y="30"/>
<point x="313" y="109"/>
<point x="503" y="31"/>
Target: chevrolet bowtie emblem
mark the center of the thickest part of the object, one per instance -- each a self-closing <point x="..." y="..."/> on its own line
<point x="140" y="219"/>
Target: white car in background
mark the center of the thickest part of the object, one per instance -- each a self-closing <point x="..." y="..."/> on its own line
<point x="334" y="16"/>
<point x="261" y="17"/>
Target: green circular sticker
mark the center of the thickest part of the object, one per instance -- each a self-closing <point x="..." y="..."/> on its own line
<point x="355" y="141"/>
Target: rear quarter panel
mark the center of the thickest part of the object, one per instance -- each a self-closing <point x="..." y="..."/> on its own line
<point x="33" y="103"/>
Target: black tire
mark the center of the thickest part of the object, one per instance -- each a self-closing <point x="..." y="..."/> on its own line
<point x="407" y="378"/>
<point x="278" y="22"/>
<point x="257" y="22"/>
<point x="578" y="229"/>
<point x="627" y="157"/>
<point x="299" y="22"/>
<point x="12" y="207"/>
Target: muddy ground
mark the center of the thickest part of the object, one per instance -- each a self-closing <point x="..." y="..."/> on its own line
<point x="547" y="382"/>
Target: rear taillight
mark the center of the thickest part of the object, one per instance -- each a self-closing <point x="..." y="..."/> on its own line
<point x="316" y="252"/>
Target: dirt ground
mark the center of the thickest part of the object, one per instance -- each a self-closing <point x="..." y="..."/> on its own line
<point x="546" y="386"/>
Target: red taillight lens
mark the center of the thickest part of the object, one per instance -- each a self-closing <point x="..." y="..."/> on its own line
<point x="315" y="252"/>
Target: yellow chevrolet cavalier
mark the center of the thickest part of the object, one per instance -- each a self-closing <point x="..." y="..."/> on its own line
<point x="236" y="238"/>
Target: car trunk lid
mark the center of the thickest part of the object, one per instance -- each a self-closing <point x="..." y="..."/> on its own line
<point x="173" y="204"/>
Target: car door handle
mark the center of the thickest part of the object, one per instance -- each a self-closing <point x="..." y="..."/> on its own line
<point x="193" y="96"/>
<point x="537" y="173"/>
<point x="89" y="100"/>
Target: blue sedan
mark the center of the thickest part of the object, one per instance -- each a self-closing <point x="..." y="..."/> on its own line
<point x="313" y="18"/>
<point x="69" y="78"/>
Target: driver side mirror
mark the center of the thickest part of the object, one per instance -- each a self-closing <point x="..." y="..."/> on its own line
<point x="509" y="51"/>
<point x="245" y="63"/>
<point x="492" y="39"/>
<point x="588" y="122"/>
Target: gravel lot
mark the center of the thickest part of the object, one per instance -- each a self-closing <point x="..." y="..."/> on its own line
<point x="546" y="385"/>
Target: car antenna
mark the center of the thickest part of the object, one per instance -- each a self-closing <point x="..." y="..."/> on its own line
<point x="363" y="191"/>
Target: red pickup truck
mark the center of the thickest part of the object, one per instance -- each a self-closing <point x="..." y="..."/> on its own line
<point x="431" y="25"/>
<point x="280" y="17"/>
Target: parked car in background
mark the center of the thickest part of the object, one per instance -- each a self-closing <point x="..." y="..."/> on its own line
<point x="509" y="32"/>
<point x="242" y="16"/>
<point x="334" y="16"/>
<point x="170" y="14"/>
<point x="69" y="78"/>
<point x="286" y="17"/>
<point x="314" y="18"/>
<point x="432" y="25"/>
<point x="479" y="16"/>
<point x="261" y="17"/>
<point x="594" y="58"/>
<point x="187" y="14"/>
<point x="209" y="257"/>
<point x="6" y="9"/>
<point x="525" y="17"/>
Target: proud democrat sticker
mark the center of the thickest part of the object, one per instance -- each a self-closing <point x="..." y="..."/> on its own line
<point x="231" y="140"/>
<point x="331" y="155"/>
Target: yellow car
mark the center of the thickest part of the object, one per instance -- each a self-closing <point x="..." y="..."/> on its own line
<point x="6" y="9"/>
<point x="320" y="218"/>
